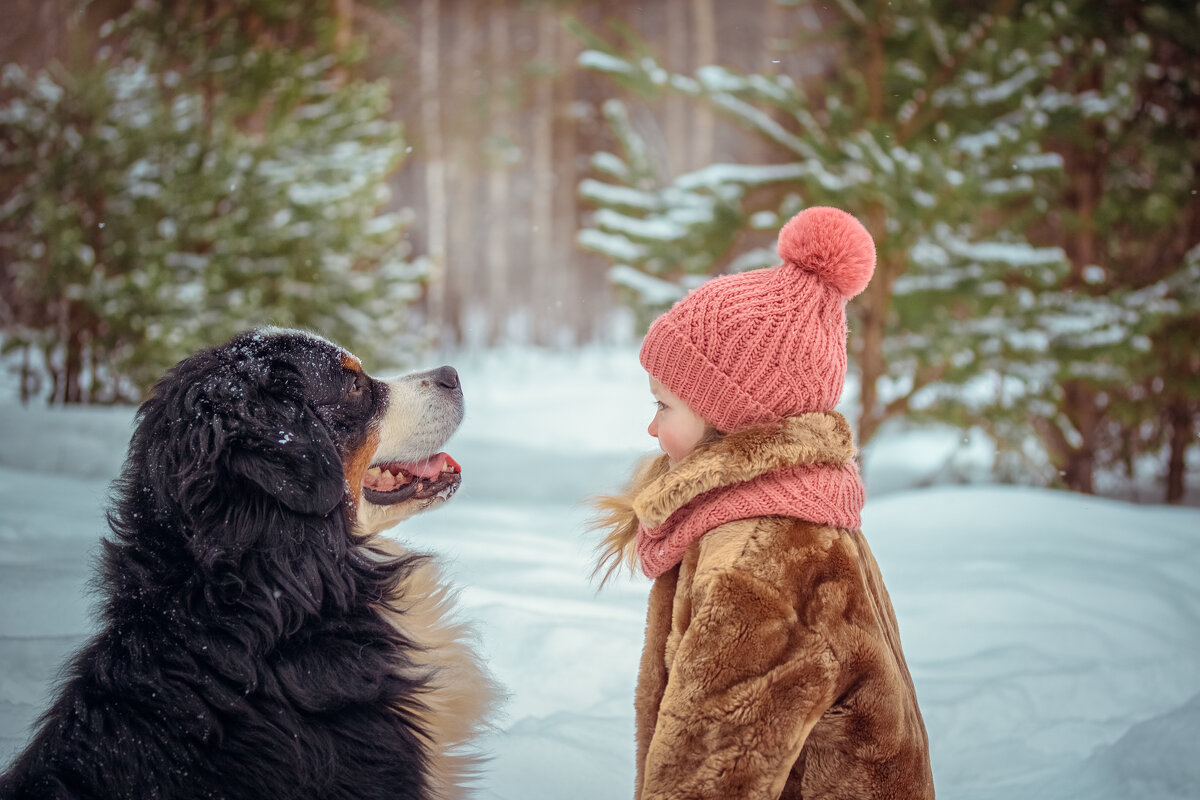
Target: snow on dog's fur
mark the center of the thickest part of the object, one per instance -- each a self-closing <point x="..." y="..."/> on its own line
<point x="257" y="638"/>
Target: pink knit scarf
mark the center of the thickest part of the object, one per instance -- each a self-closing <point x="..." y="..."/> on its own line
<point x="826" y="493"/>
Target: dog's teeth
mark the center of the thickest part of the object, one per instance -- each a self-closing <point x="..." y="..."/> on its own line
<point x="400" y="476"/>
<point x="375" y="471"/>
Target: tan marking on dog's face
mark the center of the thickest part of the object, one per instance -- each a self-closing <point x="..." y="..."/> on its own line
<point x="351" y="362"/>
<point x="356" y="467"/>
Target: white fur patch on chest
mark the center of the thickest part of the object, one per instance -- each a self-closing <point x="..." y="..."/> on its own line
<point x="462" y="692"/>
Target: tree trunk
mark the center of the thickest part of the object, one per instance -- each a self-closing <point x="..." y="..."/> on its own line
<point x="872" y="367"/>
<point x="703" y="120"/>
<point x="343" y="21"/>
<point x="28" y="377"/>
<point x="572" y="266"/>
<point x="543" y="295"/>
<point x="872" y="309"/>
<point x="1081" y="408"/>
<point x="56" y="380"/>
<point x="875" y="300"/>
<point x="73" y="362"/>
<point x="429" y="68"/>
<point x="676" y="109"/>
<point x="1084" y="174"/>
<point x="1181" y="419"/>
<point x="496" y="252"/>
<point x="1079" y="471"/>
<point x="464" y="251"/>
<point x="74" y="372"/>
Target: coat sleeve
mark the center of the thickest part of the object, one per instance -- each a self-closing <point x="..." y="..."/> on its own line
<point x="748" y="682"/>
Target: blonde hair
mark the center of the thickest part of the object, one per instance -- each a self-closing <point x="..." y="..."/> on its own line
<point x="616" y="518"/>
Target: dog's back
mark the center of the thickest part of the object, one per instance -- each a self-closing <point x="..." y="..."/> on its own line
<point x="148" y="713"/>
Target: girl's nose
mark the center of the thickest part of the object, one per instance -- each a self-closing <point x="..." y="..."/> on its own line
<point x="652" y="428"/>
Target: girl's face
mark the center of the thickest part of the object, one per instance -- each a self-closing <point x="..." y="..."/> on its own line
<point x="677" y="428"/>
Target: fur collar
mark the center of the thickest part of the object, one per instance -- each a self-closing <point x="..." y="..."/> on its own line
<point x="819" y="438"/>
<point x="657" y="490"/>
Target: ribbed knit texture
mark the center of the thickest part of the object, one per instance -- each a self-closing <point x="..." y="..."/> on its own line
<point x="829" y="495"/>
<point x="801" y="466"/>
<point x="770" y="343"/>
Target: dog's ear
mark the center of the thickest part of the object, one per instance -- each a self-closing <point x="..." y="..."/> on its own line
<point x="216" y="427"/>
<point x="286" y="451"/>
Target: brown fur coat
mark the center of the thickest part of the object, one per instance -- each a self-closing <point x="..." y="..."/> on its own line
<point x="772" y="665"/>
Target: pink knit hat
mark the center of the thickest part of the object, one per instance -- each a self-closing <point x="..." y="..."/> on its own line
<point x="769" y="343"/>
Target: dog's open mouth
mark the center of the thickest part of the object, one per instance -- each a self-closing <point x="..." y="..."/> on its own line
<point x="395" y="481"/>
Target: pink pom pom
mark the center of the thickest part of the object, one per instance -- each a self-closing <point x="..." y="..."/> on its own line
<point x="833" y="245"/>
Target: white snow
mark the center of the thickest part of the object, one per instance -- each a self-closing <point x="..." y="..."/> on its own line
<point x="1015" y="254"/>
<point x="616" y="247"/>
<point x="759" y="119"/>
<point x="719" y="79"/>
<point x="1007" y="88"/>
<point x="599" y="192"/>
<point x="1039" y="161"/>
<point x="652" y="229"/>
<point x="650" y="290"/>
<point x="755" y="258"/>
<point x="610" y="164"/>
<point x="1054" y="638"/>
<point x="594" y="59"/>
<point x="716" y="175"/>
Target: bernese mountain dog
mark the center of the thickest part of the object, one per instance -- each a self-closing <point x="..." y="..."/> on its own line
<point x="256" y="638"/>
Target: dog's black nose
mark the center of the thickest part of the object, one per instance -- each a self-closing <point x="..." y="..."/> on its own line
<point x="446" y="377"/>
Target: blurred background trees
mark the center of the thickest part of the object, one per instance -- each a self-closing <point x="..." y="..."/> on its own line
<point x="458" y="173"/>
<point x="1029" y="173"/>
<point x="199" y="168"/>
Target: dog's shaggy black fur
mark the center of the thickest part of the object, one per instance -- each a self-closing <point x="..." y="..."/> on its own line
<point x="240" y="652"/>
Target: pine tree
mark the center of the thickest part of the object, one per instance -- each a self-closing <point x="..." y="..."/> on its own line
<point x="202" y="176"/>
<point x="919" y="129"/>
<point x="936" y="123"/>
<point x="1125" y="118"/>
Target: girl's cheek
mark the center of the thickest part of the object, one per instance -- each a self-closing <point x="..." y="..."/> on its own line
<point x="671" y="446"/>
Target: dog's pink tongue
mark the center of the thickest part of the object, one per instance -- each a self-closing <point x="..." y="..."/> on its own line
<point x="430" y="467"/>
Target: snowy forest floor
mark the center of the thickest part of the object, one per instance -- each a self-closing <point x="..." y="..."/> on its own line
<point x="1054" y="638"/>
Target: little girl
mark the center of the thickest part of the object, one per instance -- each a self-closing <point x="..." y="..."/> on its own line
<point x="772" y="665"/>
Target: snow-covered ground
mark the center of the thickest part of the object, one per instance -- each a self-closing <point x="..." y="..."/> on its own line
<point x="1054" y="638"/>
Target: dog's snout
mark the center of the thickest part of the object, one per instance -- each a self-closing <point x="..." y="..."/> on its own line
<point x="446" y="377"/>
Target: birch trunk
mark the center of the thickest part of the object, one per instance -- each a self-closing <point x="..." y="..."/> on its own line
<point x="464" y="259"/>
<point x="435" y="163"/>
<point x="544" y="302"/>
<point x="497" y="305"/>
<point x="678" y="145"/>
<point x="703" y="122"/>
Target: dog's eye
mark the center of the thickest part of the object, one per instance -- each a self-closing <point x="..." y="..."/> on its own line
<point x="356" y="385"/>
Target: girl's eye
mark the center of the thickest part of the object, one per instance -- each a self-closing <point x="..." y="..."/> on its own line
<point x="660" y="405"/>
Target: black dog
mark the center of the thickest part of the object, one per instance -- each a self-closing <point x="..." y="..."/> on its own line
<point x="255" y="640"/>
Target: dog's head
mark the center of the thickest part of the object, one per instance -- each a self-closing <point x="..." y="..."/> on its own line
<point x="295" y="422"/>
